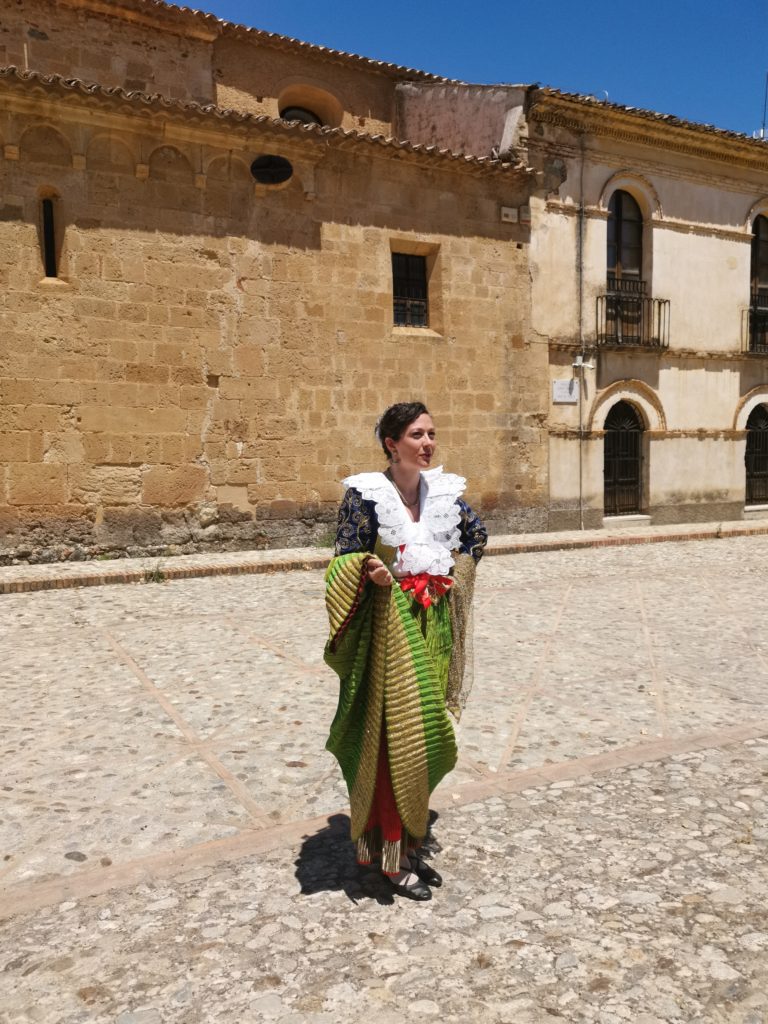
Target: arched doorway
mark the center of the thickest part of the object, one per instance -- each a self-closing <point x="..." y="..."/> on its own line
<point x="756" y="456"/>
<point x="623" y="461"/>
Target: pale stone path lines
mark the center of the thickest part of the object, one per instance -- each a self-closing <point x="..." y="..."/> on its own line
<point x="659" y="686"/>
<point x="172" y="831"/>
<point x="233" y="784"/>
<point x="536" y="680"/>
<point x="574" y="649"/>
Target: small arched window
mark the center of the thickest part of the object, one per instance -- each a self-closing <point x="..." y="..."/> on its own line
<point x="310" y="103"/>
<point x="48" y="236"/>
<point x="301" y="114"/>
<point x="625" y="239"/>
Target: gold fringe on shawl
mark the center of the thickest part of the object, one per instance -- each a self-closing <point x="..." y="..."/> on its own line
<point x="370" y="845"/>
<point x="461" y="670"/>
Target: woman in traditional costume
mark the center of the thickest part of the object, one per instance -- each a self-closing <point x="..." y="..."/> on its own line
<point x="399" y="595"/>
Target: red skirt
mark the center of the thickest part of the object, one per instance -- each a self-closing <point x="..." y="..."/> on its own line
<point x="384" y="833"/>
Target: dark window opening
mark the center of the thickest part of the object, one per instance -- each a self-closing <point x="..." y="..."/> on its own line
<point x="49" y="238"/>
<point x="409" y="283"/>
<point x="759" y="262"/>
<point x="758" y="301"/>
<point x="622" y="466"/>
<point x="756" y="456"/>
<point x="300" y="114"/>
<point x="625" y="239"/>
<point x="271" y="170"/>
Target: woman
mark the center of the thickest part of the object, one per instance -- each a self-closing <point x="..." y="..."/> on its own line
<point x="398" y="596"/>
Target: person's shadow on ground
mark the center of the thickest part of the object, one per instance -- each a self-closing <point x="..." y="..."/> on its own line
<point x="326" y="863"/>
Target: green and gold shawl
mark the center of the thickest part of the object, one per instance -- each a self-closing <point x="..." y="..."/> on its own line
<point x="398" y="664"/>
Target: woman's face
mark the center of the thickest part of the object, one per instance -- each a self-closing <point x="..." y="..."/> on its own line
<point x="416" y="447"/>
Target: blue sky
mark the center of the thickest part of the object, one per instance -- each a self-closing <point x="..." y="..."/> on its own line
<point x="699" y="59"/>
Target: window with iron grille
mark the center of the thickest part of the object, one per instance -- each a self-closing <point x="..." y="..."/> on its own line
<point x="756" y="456"/>
<point x="622" y="461"/>
<point x="409" y="286"/>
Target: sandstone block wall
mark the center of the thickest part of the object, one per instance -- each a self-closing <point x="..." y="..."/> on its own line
<point x="141" y="54"/>
<point x="186" y="57"/>
<point x="211" y="360"/>
<point x="243" y="83"/>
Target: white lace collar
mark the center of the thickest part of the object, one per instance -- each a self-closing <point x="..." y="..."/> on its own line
<point x="428" y="543"/>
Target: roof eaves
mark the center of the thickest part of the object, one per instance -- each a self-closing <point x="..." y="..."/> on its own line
<point x="13" y="76"/>
<point x="215" y="26"/>
<point x="669" y="120"/>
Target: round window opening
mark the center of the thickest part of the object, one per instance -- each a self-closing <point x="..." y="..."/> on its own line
<point x="271" y="170"/>
<point x="301" y="114"/>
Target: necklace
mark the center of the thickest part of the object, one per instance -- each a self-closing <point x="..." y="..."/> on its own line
<point x="408" y="504"/>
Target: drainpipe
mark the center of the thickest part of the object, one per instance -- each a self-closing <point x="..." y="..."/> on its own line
<point x="580" y="360"/>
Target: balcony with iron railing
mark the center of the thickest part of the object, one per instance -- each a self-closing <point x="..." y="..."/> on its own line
<point x="756" y="335"/>
<point x="628" y="318"/>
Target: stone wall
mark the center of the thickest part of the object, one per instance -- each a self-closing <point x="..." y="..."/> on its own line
<point x="148" y="55"/>
<point x="210" y="361"/>
<point x="184" y="56"/>
<point x="464" y="118"/>
<point x="254" y="79"/>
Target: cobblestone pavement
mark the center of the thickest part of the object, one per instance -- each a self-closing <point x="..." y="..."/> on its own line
<point x="172" y="833"/>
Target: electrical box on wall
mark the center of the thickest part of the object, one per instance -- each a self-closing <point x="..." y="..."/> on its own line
<point x="509" y="214"/>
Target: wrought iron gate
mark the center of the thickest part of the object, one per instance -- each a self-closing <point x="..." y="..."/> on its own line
<point x="756" y="457"/>
<point x="623" y="457"/>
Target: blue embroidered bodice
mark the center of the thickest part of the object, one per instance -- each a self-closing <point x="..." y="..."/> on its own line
<point x="358" y="527"/>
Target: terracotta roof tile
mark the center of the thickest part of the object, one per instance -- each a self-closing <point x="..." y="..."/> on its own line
<point x="219" y="26"/>
<point x="651" y="115"/>
<point x="116" y="94"/>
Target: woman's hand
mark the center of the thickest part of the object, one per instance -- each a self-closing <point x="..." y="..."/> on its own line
<point x="378" y="573"/>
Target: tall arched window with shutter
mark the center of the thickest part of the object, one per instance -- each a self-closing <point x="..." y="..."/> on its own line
<point x="625" y="240"/>
<point x="758" y="305"/>
<point x="624" y="266"/>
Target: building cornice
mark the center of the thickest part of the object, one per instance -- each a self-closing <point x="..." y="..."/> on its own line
<point x="685" y="227"/>
<point x="703" y="434"/>
<point x="738" y="180"/>
<point x="587" y="115"/>
<point x="661" y="354"/>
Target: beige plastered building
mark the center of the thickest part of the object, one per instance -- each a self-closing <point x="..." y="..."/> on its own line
<point x="678" y="341"/>
<point x="194" y="357"/>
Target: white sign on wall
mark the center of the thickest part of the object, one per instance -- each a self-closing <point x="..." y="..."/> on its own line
<point x="565" y="392"/>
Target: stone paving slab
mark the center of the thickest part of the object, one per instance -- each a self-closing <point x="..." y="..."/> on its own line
<point x="172" y="833"/>
<point x="638" y="896"/>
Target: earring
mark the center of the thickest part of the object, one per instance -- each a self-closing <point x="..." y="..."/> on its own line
<point x="395" y="458"/>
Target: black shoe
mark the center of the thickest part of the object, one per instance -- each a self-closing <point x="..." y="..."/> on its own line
<point x="415" y="891"/>
<point x="425" y="872"/>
